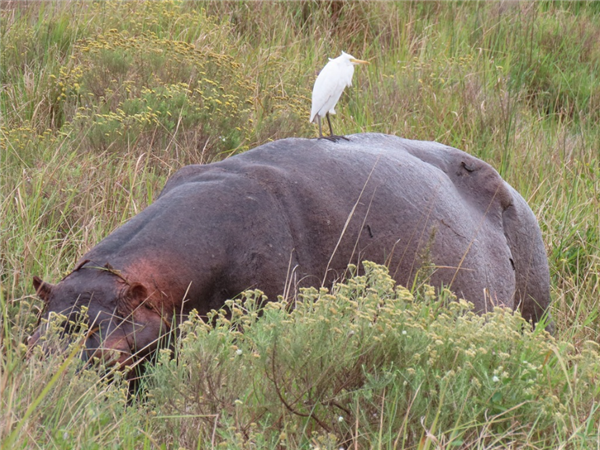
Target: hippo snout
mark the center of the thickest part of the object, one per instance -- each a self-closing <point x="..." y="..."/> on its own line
<point x="112" y="350"/>
<point x="124" y="342"/>
<point x="108" y="342"/>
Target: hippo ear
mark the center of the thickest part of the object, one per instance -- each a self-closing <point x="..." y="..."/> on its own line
<point x="136" y="294"/>
<point x="42" y="289"/>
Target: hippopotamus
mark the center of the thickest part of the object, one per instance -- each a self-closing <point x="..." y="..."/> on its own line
<point x="295" y="213"/>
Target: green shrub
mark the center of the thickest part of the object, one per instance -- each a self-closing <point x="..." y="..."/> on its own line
<point x="370" y="362"/>
<point x="121" y="87"/>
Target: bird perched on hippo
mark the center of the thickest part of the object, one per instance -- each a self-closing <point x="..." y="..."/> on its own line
<point x="328" y="88"/>
<point x="295" y="213"/>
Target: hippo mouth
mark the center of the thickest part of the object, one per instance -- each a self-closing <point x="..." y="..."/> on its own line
<point x="112" y="341"/>
<point x="111" y="351"/>
<point x="125" y="343"/>
<point x="115" y="348"/>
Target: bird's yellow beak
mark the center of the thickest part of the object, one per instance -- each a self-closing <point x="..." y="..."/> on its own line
<point x="358" y="61"/>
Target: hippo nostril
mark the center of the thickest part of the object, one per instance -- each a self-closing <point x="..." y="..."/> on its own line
<point x="111" y="357"/>
<point x="34" y="338"/>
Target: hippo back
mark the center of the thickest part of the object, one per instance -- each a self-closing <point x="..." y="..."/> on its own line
<point x="311" y="207"/>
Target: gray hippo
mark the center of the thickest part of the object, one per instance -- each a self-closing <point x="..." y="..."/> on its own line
<point x="295" y="213"/>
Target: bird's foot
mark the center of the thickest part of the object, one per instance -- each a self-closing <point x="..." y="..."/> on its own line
<point x="334" y="138"/>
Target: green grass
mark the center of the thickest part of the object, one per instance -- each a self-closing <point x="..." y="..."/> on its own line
<point x="102" y="101"/>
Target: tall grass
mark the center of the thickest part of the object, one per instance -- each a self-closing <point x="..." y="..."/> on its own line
<point x="102" y="101"/>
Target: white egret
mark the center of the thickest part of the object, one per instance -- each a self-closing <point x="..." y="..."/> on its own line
<point x="331" y="82"/>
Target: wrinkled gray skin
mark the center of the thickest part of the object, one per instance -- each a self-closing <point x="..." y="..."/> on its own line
<point x="295" y="213"/>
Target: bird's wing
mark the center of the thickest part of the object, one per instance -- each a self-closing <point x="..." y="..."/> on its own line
<point x="327" y="90"/>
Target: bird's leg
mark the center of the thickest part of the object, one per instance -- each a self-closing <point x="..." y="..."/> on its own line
<point x="330" y="127"/>
<point x="332" y="136"/>
<point x="320" y="131"/>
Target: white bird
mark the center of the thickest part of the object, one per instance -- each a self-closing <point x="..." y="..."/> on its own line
<point x="331" y="82"/>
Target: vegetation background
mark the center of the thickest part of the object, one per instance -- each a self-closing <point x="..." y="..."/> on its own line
<point x="102" y="101"/>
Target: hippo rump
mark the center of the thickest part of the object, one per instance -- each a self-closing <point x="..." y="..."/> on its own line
<point x="295" y="213"/>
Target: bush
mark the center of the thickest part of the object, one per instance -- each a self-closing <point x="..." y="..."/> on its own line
<point x="369" y="362"/>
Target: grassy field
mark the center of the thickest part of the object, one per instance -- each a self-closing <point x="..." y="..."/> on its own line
<point x="102" y="101"/>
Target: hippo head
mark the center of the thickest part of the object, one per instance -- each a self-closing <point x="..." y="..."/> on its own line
<point x="124" y="323"/>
